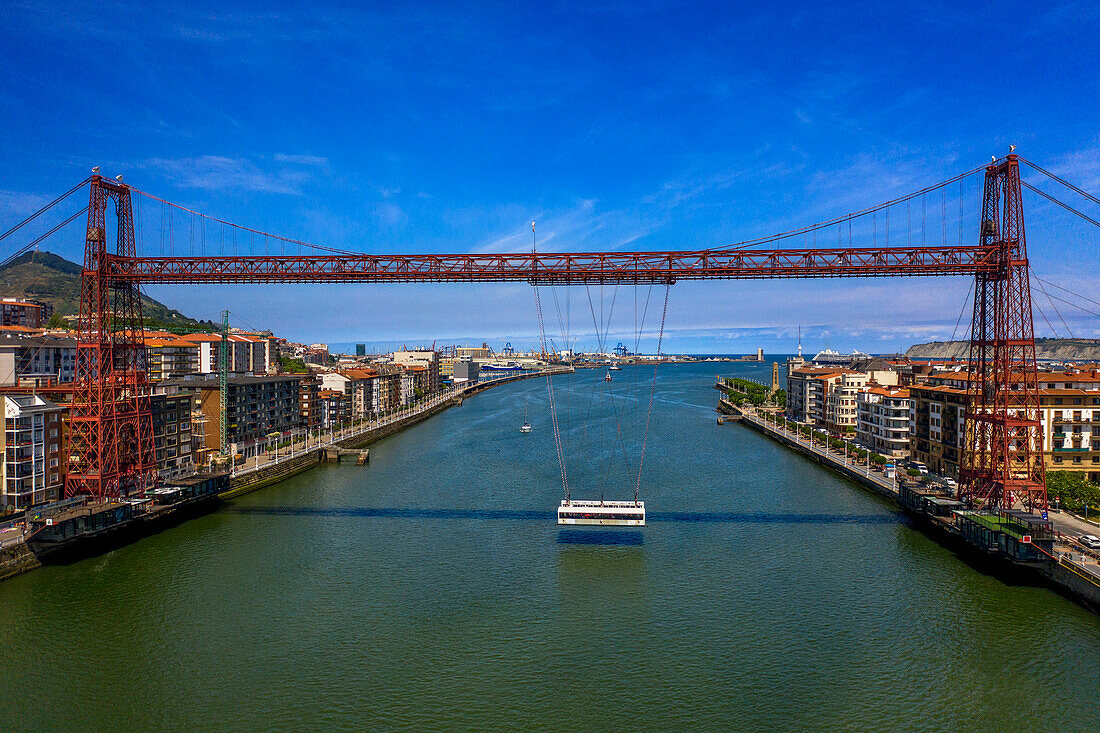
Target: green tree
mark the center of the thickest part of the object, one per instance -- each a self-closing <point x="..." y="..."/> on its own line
<point x="1073" y="490"/>
<point x="292" y="366"/>
<point x="56" y="321"/>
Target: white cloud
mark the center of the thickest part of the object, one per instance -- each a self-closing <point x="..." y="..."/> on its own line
<point x="216" y="173"/>
<point x="301" y="159"/>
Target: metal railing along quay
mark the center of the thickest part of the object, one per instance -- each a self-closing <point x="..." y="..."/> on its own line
<point x="333" y="436"/>
<point x="840" y="459"/>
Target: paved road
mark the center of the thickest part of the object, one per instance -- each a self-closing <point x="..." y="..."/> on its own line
<point x="1069" y="524"/>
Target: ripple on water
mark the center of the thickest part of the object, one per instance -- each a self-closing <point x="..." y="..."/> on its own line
<point x="432" y="590"/>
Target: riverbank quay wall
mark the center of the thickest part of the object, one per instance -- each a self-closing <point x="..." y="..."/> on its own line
<point x="1062" y="575"/>
<point x="20" y="556"/>
<point x="247" y="482"/>
<point x="16" y="559"/>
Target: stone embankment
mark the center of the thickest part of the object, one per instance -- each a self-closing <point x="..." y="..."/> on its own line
<point x="1055" y="567"/>
<point x="247" y="480"/>
<point x="18" y="556"/>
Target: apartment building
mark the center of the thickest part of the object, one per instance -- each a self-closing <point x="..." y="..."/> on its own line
<point x="330" y="407"/>
<point x="470" y="352"/>
<point x="386" y="391"/>
<point x="423" y="358"/>
<point x="32" y="469"/>
<point x="173" y="409"/>
<point x="171" y="357"/>
<point x="257" y="406"/>
<point x="937" y="425"/>
<point x="842" y="398"/>
<point x="1069" y="404"/>
<point x="807" y="388"/>
<point x="309" y="409"/>
<point x="23" y="312"/>
<point x="355" y="386"/>
<point x="882" y="420"/>
<point x="23" y="356"/>
<point x="247" y="354"/>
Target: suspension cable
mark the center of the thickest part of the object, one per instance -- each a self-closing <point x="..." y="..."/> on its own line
<point x="1064" y="182"/>
<point x="848" y="217"/>
<point x="1064" y="205"/>
<point x="43" y="210"/>
<point x="1056" y="311"/>
<point x="243" y="228"/>
<point x="652" y="391"/>
<point x="549" y="380"/>
<point x="1065" y="290"/>
<point x="962" y="310"/>
<point x="36" y="241"/>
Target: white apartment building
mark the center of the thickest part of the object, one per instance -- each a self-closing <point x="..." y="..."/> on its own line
<point x="31" y="444"/>
<point x="882" y="420"/>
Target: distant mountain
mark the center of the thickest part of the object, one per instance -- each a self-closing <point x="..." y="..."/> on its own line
<point x="52" y="279"/>
<point x="1045" y="350"/>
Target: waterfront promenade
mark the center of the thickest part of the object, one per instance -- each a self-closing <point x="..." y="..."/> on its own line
<point x="1069" y="565"/>
<point x="360" y="431"/>
<point x="284" y="460"/>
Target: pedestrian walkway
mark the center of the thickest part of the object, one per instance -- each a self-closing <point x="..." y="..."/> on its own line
<point x="333" y="437"/>
<point x="776" y="426"/>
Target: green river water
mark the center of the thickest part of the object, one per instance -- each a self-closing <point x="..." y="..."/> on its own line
<point x="432" y="590"/>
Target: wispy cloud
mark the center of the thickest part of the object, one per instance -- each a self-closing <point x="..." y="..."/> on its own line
<point x="216" y="173"/>
<point x="309" y="160"/>
<point x="20" y="203"/>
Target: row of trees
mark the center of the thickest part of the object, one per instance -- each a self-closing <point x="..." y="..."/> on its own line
<point x="836" y="443"/>
<point x="739" y="391"/>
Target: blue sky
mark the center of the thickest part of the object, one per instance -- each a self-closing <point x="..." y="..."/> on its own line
<point x="448" y="127"/>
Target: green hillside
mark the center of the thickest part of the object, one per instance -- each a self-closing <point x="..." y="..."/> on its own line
<point x="52" y="279"/>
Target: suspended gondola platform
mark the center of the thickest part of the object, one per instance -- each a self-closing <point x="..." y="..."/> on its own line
<point x="602" y="513"/>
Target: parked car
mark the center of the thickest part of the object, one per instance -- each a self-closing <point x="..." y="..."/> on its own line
<point x="1090" y="541"/>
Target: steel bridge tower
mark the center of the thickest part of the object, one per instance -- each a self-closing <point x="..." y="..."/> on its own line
<point x="1002" y="457"/>
<point x="110" y="448"/>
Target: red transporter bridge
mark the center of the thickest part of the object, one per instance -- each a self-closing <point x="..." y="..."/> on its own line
<point x="110" y="445"/>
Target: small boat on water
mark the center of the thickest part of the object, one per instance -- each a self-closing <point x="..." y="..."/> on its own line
<point x="614" y="369"/>
<point x="526" y="426"/>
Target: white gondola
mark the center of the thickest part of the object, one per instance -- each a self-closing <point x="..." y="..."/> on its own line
<point x="602" y="513"/>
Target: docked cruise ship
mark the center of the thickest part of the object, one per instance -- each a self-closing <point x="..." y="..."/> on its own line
<point x="828" y="357"/>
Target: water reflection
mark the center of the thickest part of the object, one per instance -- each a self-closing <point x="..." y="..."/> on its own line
<point x="542" y="516"/>
<point x="600" y="537"/>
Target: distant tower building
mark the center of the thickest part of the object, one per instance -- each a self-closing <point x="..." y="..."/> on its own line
<point x="360" y="349"/>
<point x="775" y="376"/>
<point x="760" y="355"/>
